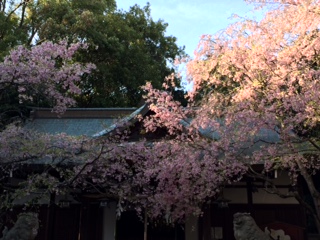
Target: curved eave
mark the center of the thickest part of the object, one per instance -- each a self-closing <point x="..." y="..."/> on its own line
<point x="123" y="123"/>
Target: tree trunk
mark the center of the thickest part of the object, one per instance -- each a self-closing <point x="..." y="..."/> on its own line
<point x="145" y="233"/>
<point x="314" y="194"/>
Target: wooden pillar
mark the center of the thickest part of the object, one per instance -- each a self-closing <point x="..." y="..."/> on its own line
<point x="50" y="218"/>
<point x="192" y="228"/>
<point x="205" y="223"/>
<point x="249" y="193"/>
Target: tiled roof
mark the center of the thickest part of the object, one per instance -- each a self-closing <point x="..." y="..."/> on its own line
<point x="75" y="122"/>
<point x="70" y="126"/>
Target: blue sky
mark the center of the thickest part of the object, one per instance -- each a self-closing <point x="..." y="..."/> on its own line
<point x="189" y="19"/>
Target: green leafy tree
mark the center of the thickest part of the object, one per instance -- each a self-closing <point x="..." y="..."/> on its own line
<point x="128" y="48"/>
<point x="12" y="27"/>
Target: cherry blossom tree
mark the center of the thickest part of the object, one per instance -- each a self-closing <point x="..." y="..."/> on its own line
<point x="253" y="80"/>
<point x="161" y="179"/>
<point x="152" y="178"/>
<point x="44" y="75"/>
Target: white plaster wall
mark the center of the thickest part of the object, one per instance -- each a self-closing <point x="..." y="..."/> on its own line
<point x="109" y="222"/>
<point x="262" y="197"/>
<point x="239" y="194"/>
<point x="236" y="195"/>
